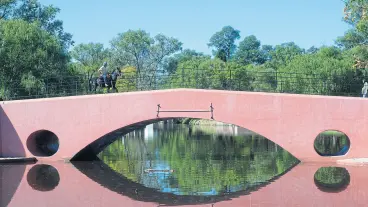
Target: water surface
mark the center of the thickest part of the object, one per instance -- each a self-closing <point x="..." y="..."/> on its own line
<point x="197" y="160"/>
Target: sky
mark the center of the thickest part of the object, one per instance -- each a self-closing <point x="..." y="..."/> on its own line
<point x="305" y="22"/>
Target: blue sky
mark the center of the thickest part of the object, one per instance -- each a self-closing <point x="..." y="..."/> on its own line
<point x="193" y="22"/>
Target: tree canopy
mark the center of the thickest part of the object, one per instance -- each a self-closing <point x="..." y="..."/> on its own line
<point x="36" y="56"/>
<point x="223" y="42"/>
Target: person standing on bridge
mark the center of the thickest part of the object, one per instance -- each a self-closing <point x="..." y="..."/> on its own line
<point x="103" y="70"/>
<point x="365" y="89"/>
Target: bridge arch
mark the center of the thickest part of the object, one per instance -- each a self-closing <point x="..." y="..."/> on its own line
<point x="89" y="152"/>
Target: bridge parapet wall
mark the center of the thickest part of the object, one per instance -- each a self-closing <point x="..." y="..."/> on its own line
<point x="291" y="121"/>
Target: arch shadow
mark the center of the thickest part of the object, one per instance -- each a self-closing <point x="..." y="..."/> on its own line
<point x="10" y="144"/>
<point x="102" y="174"/>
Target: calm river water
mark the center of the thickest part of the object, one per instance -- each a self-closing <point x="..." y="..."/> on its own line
<point x="173" y="164"/>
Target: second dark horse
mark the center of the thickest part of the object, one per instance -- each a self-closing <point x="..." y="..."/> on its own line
<point x="98" y="82"/>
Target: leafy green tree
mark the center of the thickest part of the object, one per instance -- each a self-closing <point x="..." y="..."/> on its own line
<point x="359" y="52"/>
<point x="356" y="15"/>
<point x="355" y="12"/>
<point x="221" y="55"/>
<point x="198" y="72"/>
<point x="127" y="83"/>
<point x="351" y="39"/>
<point x="6" y="8"/>
<point x="282" y="54"/>
<point x="90" y="57"/>
<point x="132" y="47"/>
<point x="224" y="42"/>
<point x="207" y="73"/>
<point x="34" y="11"/>
<point x="249" y="51"/>
<point x="312" y="50"/>
<point x="266" y="52"/>
<point x="261" y="78"/>
<point x="331" y="52"/>
<point x="170" y="64"/>
<point x="29" y="56"/>
<point x="328" y="71"/>
<point x="146" y="54"/>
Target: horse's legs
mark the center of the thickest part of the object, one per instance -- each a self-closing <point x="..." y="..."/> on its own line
<point x="98" y="87"/>
<point x="114" y="86"/>
<point x="95" y="87"/>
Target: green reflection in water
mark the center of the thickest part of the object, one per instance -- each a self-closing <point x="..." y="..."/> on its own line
<point x="206" y="160"/>
<point x="332" y="179"/>
<point x="331" y="143"/>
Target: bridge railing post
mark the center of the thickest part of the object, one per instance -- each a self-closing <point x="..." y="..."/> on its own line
<point x="76" y="87"/>
<point x="231" y="81"/>
<point x="197" y="81"/>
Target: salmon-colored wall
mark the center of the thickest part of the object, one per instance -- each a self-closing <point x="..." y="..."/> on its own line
<point x="291" y="121"/>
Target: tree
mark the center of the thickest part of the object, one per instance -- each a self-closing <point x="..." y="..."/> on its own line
<point x="328" y="71"/>
<point x="127" y="83"/>
<point x="266" y="52"/>
<point x="224" y="42"/>
<point x="206" y="73"/>
<point x="351" y="38"/>
<point x="170" y="64"/>
<point x="133" y="48"/>
<point x="221" y="55"/>
<point x="356" y="15"/>
<point x="284" y="53"/>
<point x="6" y="8"/>
<point x="312" y="50"/>
<point x="360" y="57"/>
<point x="144" y="53"/>
<point x="249" y="51"/>
<point x="163" y="47"/>
<point x="330" y="52"/>
<point x="90" y="56"/>
<point x="28" y="56"/>
<point x="32" y="11"/>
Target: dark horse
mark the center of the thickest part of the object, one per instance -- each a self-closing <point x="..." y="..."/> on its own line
<point x="98" y="82"/>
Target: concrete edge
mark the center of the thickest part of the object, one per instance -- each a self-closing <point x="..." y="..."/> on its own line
<point x="354" y="161"/>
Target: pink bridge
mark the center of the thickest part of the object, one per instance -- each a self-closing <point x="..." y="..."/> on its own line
<point x="291" y="121"/>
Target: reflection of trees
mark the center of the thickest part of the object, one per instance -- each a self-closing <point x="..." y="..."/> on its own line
<point x="331" y="143"/>
<point x="202" y="162"/>
<point x="332" y="179"/>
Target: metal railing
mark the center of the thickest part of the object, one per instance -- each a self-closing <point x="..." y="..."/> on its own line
<point x="219" y="79"/>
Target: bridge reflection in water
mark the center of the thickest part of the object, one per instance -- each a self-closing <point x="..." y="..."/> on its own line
<point x="212" y="160"/>
<point x="94" y="184"/>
